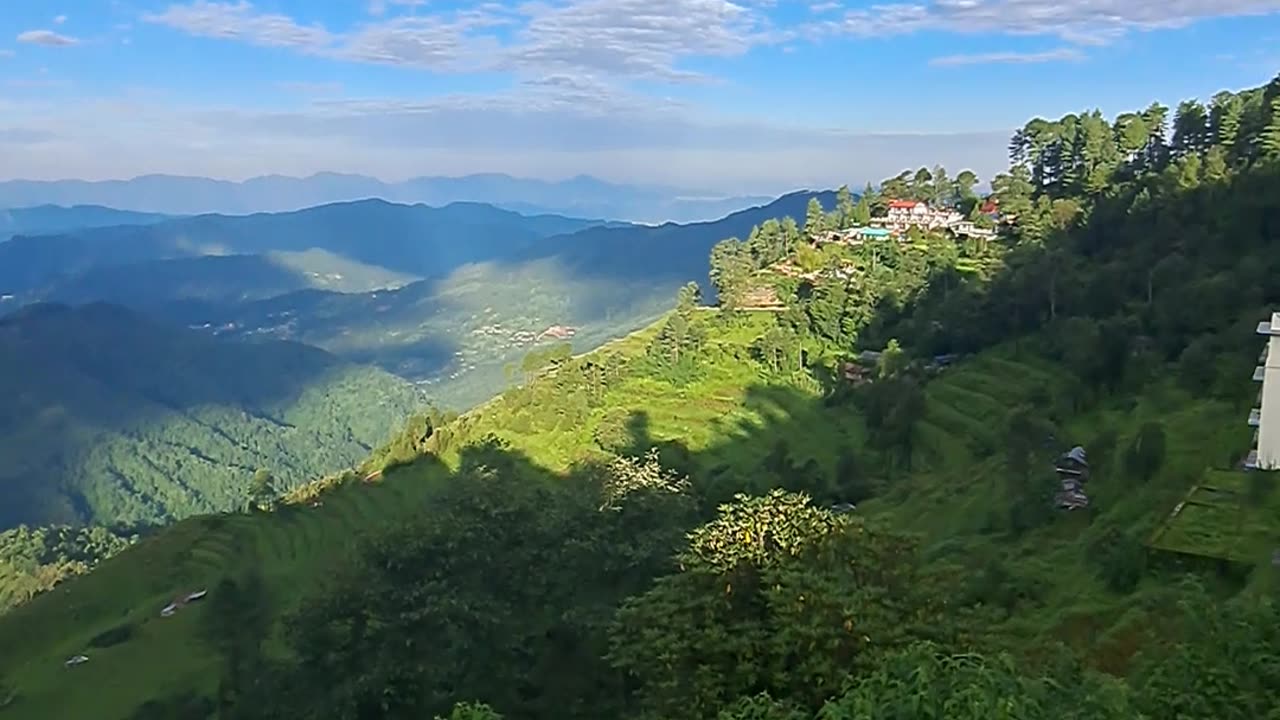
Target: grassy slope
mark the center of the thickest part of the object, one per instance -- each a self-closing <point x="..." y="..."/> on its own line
<point x="947" y="498"/>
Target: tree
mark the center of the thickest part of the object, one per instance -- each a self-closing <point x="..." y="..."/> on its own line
<point x="815" y="219"/>
<point x="1225" y="114"/>
<point x="1190" y="128"/>
<point x="262" y="491"/>
<point x="964" y="184"/>
<point x="923" y="682"/>
<point x="844" y="207"/>
<point x="774" y="595"/>
<point x="1215" y="662"/>
<point x="1269" y="138"/>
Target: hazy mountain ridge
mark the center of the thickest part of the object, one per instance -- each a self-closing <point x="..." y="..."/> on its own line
<point x="387" y="238"/>
<point x="49" y="219"/>
<point x="183" y="195"/>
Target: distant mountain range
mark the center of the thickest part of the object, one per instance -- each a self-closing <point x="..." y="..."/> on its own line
<point x="347" y="246"/>
<point x="581" y="196"/>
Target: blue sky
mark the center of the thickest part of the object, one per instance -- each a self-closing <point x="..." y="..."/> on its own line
<point x="733" y="96"/>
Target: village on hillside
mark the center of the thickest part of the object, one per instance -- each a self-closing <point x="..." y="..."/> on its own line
<point x="905" y="221"/>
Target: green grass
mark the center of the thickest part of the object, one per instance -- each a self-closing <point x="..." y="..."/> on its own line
<point x="728" y="417"/>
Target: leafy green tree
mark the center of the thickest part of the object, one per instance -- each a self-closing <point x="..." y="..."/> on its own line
<point x="262" y="491"/>
<point x="774" y="595"/>
<point x="1216" y="661"/>
<point x="922" y="682"/>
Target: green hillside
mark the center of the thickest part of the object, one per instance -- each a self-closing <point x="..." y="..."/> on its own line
<point x="458" y="333"/>
<point x="843" y="505"/>
<point x="112" y="418"/>
<point x="737" y="424"/>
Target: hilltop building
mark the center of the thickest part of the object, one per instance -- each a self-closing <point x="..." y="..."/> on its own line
<point x="1265" y="416"/>
<point x="905" y="214"/>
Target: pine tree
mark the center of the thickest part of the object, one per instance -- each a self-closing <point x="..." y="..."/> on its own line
<point x="1269" y="138"/>
<point x="815" y="218"/>
<point x="844" y="207"/>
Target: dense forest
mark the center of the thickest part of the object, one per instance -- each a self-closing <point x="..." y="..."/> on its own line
<point x="877" y="545"/>
<point x="117" y="420"/>
<point x="33" y="560"/>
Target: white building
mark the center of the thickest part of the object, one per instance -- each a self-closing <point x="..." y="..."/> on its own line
<point x="1266" y="415"/>
<point x="903" y="214"/>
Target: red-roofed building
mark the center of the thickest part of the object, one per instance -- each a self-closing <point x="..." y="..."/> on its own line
<point x="907" y="211"/>
<point x="904" y="214"/>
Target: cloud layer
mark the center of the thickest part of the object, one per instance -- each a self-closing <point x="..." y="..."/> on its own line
<point x="456" y="136"/>
<point x="47" y="38"/>
<point x="588" y="86"/>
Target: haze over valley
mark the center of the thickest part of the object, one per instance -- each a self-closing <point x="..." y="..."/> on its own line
<point x="620" y="360"/>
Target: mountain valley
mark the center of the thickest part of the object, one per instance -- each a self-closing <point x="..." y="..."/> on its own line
<point x="922" y="451"/>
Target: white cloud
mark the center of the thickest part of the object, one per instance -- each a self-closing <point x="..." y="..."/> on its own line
<point x="1077" y="21"/>
<point x="6" y="53"/>
<point x="48" y="38"/>
<point x="1058" y="55"/>
<point x="628" y="140"/>
<point x="239" y="21"/>
<point x="636" y="38"/>
<point x="624" y="38"/>
<point x="59" y="19"/>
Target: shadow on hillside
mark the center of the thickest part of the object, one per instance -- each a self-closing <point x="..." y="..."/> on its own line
<point x="70" y="375"/>
<point x="801" y="443"/>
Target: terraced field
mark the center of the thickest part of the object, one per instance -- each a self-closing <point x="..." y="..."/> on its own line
<point x="1228" y="515"/>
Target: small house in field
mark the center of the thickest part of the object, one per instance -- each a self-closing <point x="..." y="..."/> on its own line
<point x="1073" y="471"/>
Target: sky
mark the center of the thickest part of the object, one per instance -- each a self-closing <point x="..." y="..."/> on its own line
<point x="748" y="96"/>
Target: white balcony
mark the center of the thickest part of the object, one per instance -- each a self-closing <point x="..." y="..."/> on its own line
<point x="1255" y="417"/>
<point x="1251" y="460"/>
<point x="1259" y="373"/>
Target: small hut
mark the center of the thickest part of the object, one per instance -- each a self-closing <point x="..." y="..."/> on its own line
<point x="1073" y="472"/>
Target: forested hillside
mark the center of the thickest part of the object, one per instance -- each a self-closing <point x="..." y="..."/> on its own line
<point x="741" y="513"/>
<point x="112" y="418"/>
